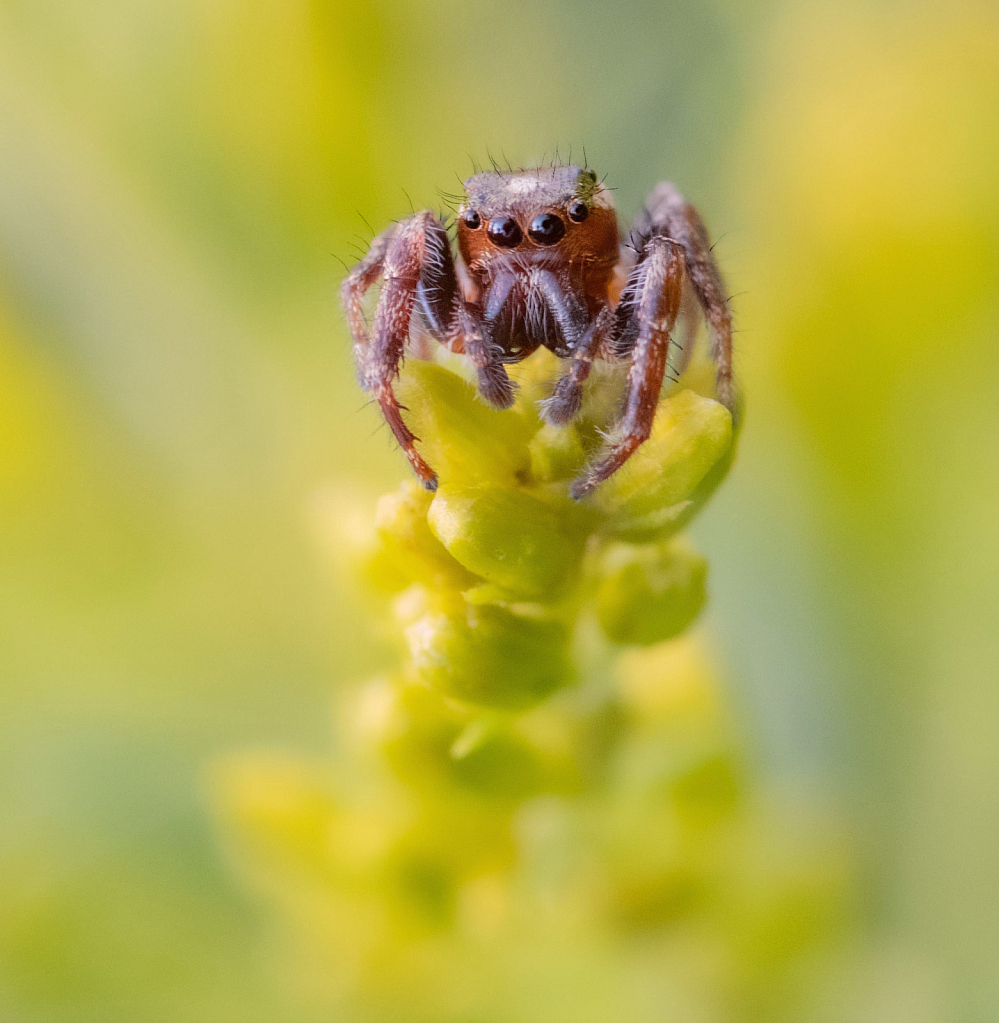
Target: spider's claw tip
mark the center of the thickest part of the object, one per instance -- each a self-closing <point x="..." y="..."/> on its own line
<point x="579" y="488"/>
<point x="430" y="484"/>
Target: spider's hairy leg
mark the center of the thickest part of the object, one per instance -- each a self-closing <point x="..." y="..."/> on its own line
<point x="352" y="291"/>
<point x="657" y="285"/>
<point x="668" y="213"/>
<point x="567" y="398"/>
<point x="410" y="262"/>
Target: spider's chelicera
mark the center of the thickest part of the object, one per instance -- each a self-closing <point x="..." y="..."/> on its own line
<point x="540" y="263"/>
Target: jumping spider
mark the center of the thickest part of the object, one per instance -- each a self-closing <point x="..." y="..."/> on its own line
<point x="541" y="264"/>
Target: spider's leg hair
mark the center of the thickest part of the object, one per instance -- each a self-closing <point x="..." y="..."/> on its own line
<point x="366" y="224"/>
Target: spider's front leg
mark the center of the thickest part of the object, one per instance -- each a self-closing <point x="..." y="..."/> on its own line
<point x="649" y="314"/>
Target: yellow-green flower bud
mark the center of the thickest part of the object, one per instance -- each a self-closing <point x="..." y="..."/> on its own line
<point x="664" y="522"/>
<point x="408" y="543"/>
<point x="509" y="537"/>
<point x="691" y="434"/>
<point x="650" y="593"/>
<point x="411" y="725"/>
<point x="492" y="758"/>
<point x="464" y="834"/>
<point x="490" y="655"/>
<point x="672" y="684"/>
<point x="464" y="439"/>
<point x="557" y="453"/>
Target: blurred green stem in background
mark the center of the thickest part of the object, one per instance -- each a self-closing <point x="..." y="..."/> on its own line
<point x="520" y="808"/>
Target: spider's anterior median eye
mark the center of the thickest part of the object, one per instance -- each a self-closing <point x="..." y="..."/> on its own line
<point x="546" y="229"/>
<point x="579" y="211"/>
<point x="504" y="232"/>
<point x="471" y="219"/>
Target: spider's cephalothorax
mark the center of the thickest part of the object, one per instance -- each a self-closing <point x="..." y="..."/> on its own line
<point x="541" y="264"/>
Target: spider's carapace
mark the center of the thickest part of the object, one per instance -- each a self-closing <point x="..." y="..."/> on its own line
<point x="540" y="263"/>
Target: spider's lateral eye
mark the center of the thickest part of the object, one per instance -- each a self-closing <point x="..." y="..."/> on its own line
<point x="592" y="175"/>
<point x="546" y="229"/>
<point x="578" y="211"/>
<point x="471" y="219"/>
<point x="504" y="232"/>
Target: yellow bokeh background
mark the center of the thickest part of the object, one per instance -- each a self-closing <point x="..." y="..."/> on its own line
<point x="179" y="180"/>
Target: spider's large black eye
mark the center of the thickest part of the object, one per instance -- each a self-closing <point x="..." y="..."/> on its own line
<point x="505" y="232"/>
<point x="579" y="211"/>
<point x="546" y="229"/>
<point x="471" y="219"/>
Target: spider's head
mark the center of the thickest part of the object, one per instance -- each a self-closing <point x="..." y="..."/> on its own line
<point x="551" y="213"/>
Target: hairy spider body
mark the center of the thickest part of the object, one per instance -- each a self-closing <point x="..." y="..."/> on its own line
<point x="541" y="264"/>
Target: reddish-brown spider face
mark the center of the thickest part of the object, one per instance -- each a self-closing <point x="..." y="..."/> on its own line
<point x="560" y="214"/>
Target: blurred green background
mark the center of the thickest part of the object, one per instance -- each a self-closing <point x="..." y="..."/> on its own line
<point x="178" y="180"/>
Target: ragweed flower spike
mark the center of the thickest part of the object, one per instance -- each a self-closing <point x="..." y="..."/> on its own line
<point x="549" y="765"/>
<point x="500" y="564"/>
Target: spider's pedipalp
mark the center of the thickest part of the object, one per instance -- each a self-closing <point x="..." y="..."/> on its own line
<point x="569" y="312"/>
<point x="437" y="287"/>
<point x="494" y="383"/>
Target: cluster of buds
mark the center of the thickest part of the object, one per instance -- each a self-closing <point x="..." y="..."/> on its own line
<point x="547" y="791"/>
